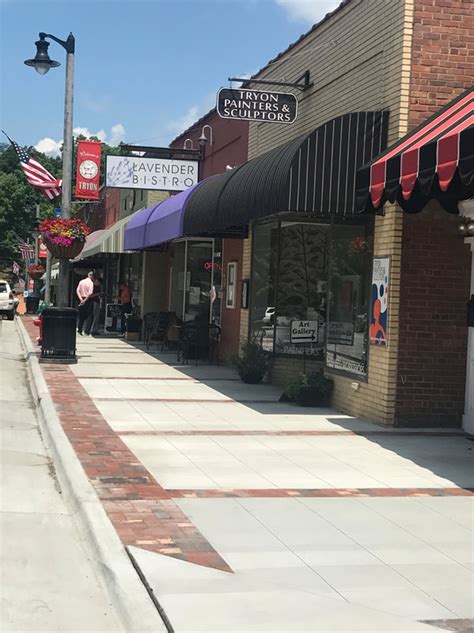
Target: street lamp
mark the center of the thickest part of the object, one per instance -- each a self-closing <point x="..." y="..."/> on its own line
<point x="42" y="63"/>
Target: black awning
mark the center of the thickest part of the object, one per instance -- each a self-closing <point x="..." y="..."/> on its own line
<point x="313" y="174"/>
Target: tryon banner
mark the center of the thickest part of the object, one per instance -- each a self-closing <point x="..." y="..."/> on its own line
<point x="88" y="169"/>
<point x="164" y="174"/>
<point x="257" y="105"/>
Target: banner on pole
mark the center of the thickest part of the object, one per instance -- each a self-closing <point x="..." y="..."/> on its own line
<point x="88" y="169"/>
<point x="42" y="248"/>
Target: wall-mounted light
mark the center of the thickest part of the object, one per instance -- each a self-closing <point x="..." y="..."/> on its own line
<point x="203" y="139"/>
<point x="188" y="144"/>
<point x="466" y="227"/>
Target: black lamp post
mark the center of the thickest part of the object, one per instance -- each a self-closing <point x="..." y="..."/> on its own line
<point x="42" y="63"/>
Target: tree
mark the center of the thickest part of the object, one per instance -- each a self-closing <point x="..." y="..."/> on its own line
<point x="18" y="200"/>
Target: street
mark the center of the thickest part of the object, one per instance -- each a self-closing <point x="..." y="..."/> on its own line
<point x="48" y="581"/>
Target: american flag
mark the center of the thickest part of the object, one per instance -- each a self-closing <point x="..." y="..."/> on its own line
<point x="15" y="268"/>
<point x="36" y="174"/>
<point x="26" y="250"/>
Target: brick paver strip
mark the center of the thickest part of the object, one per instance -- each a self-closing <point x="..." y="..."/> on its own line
<point x="142" y="512"/>
<point x="217" y="493"/>
<point x="460" y="626"/>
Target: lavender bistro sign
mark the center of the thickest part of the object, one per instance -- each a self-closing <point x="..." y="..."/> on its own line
<point x="136" y="172"/>
<point x="257" y="105"/>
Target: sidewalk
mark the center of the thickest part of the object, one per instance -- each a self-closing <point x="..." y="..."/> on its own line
<point x="246" y="514"/>
<point x="48" y="582"/>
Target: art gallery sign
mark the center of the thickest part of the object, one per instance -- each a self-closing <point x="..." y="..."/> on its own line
<point x="164" y="174"/>
<point x="257" y="105"/>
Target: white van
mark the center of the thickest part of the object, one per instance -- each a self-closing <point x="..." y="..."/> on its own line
<point x="7" y="300"/>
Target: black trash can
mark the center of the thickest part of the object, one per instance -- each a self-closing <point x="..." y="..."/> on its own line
<point x="32" y="304"/>
<point x="59" y="333"/>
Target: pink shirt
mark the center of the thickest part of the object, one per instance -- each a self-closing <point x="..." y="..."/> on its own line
<point x="85" y="287"/>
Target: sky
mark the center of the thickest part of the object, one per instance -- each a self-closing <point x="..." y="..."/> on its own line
<point x="145" y="70"/>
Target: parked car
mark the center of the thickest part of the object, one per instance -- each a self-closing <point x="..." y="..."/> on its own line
<point x="7" y="300"/>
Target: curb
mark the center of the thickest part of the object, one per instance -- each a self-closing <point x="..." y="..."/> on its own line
<point x="133" y="607"/>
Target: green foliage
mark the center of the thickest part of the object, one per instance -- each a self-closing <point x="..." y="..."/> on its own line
<point x="252" y="363"/>
<point x="18" y="201"/>
<point x="313" y="382"/>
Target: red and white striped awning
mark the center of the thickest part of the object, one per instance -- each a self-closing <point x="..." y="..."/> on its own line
<point x="434" y="160"/>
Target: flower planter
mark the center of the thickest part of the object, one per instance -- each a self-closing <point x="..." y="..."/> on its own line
<point x="65" y="252"/>
<point x="251" y="376"/>
<point x="308" y="397"/>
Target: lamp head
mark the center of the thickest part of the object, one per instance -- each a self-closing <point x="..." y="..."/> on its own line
<point x="42" y="62"/>
<point x="203" y="138"/>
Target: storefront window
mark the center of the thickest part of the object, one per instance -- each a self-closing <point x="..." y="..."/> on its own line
<point x="262" y="303"/>
<point x="347" y="340"/>
<point x="300" y="320"/>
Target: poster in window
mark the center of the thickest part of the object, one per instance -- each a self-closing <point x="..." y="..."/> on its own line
<point x="379" y="301"/>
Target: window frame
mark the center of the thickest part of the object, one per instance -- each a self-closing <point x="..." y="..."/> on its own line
<point x="231" y="283"/>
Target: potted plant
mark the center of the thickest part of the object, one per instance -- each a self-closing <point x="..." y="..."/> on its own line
<point x="65" y="239"/>
<point x="252" y="363"/>
<point x="312" y="389"/>
<point x="36" y="271"/>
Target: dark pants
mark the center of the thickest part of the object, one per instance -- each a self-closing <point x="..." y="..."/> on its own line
<point x="84" y="310"/>
<point x="126" y="309"/>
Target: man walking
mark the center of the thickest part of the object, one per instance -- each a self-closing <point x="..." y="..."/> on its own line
<point x="83" y="291"/>
<point x="93" y="320"/>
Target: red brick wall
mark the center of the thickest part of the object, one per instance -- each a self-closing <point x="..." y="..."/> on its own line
<point x="442" y="55"/>
<point x="433" y="333"/>
<point x="229" y="147"/>
<point x="435" y="274"/>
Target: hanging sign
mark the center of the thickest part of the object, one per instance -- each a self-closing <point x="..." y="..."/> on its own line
<point x="379" y="301"/>
<point x="303" y="331"/>
<point x="164" y="174"/>
<point x="257" y="105"/>
<point x="88" y="169"/>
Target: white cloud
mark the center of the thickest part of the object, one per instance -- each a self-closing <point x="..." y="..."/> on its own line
<point x="117" y="134"/>
<point x="311" y="11"/>
<point x="84" y="131"/>
<point x="195" y="112"/>
<point x="50" y="147"/>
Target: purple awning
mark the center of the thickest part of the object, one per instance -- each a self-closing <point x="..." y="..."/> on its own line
<point x="158" y="224"/>
<point x="166" y="220"/>
<point x="134" y="237"/>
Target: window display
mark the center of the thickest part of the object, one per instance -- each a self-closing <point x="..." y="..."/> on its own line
<point x="349" y="286"/>
<point x="310" y="291"/>
<point x="301" y="288"/>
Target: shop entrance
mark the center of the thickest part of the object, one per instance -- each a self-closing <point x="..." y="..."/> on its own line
<point x="196" y="291"/>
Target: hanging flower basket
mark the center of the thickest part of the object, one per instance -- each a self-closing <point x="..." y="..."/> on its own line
<point x="36" y="271"/>
<point x="65" y="239"/>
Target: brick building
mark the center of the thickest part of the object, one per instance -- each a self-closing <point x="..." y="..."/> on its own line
<point x="376" y="69"/>
<point x="408" y="58"/>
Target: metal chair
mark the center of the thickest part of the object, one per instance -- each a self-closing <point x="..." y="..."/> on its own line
<point x="198" y="341"/>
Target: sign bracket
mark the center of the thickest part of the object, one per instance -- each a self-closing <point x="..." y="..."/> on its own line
<point x="305" y="78"/>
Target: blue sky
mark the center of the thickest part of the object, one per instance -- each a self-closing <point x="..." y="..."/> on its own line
<point x="145" y="69"/>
